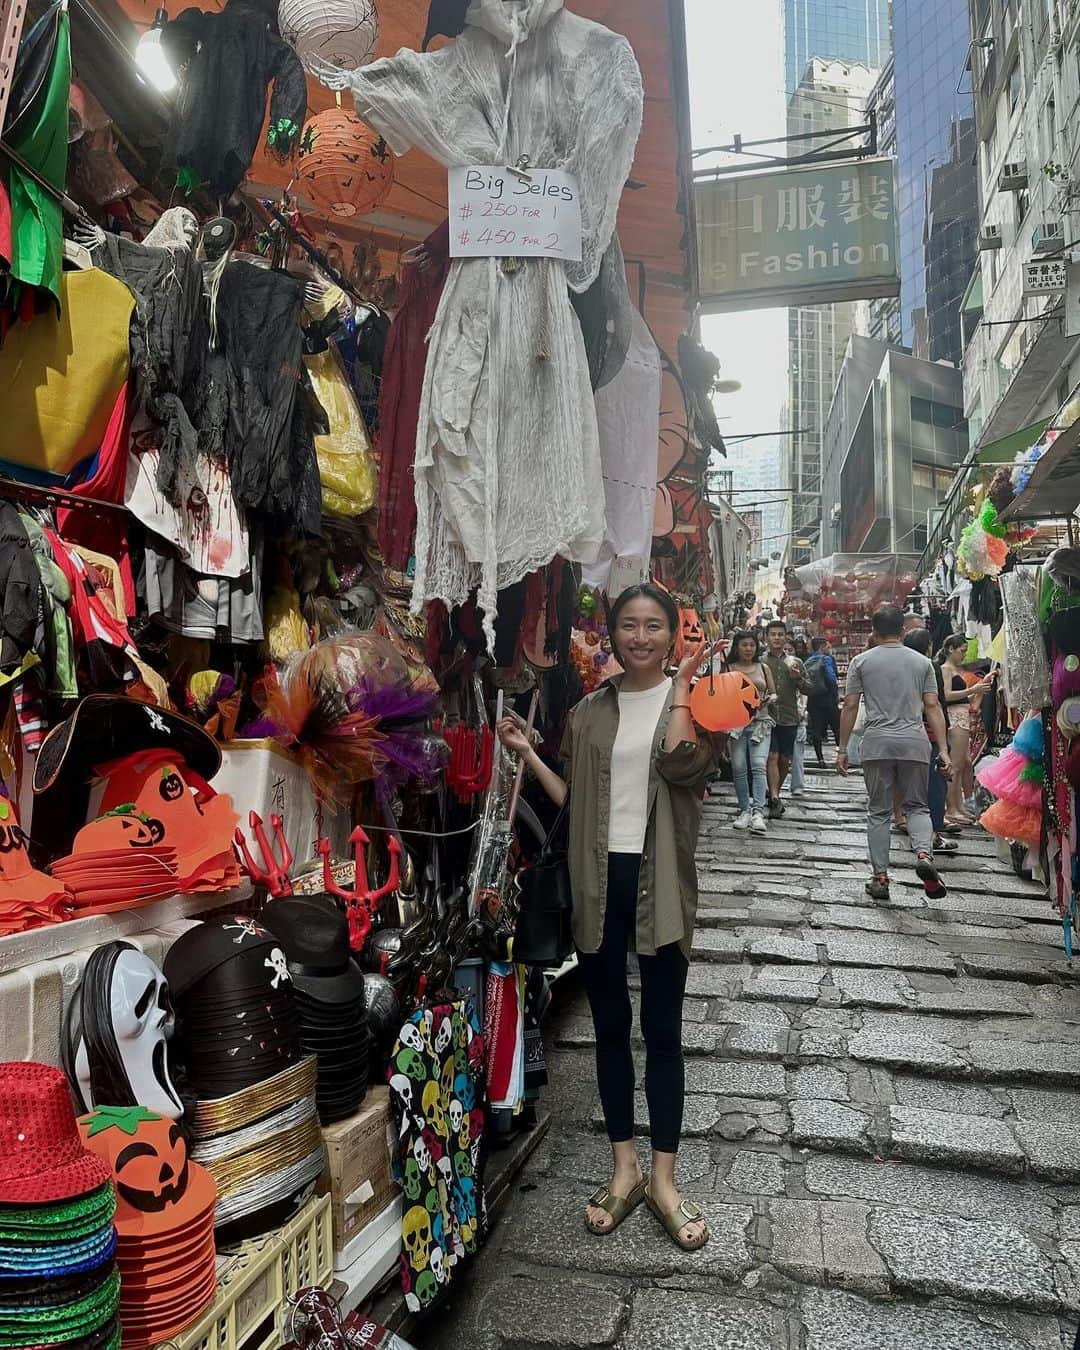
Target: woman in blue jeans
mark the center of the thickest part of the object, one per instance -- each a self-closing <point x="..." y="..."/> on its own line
<point x="937" y="789"/>
<point x="749" y="748"/>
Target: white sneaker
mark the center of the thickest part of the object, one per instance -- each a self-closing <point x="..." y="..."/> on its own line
<point x="757" y="823"/>
<point x="741" y="821"/>
<point x="797" y="792"/>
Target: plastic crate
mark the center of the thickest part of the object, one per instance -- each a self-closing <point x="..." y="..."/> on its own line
<point x="256" y="1282"/>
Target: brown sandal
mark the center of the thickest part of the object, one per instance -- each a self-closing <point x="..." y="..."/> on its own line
<point x="685" y="1212"/>
<point x="618" y="1206"/>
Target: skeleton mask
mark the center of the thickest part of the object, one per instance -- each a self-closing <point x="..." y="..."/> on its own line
<point x="446" y="1168"/>
<point x="422" y="1154"/>
<point x="438" y="1264"/>
<point x="114" y="1049"/>
<point x="276" y="962"/>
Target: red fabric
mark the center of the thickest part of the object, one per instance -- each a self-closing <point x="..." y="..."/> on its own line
<point x="5" y="224"/>
<point x="92" y="625"/>
<point x="399" y="396"/>
<point x="106" y="531"/>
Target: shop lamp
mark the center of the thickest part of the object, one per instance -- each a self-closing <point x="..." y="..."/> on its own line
<point x="150" y="56"/>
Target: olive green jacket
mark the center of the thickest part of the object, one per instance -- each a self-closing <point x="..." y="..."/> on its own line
<point x="667" y="896"/>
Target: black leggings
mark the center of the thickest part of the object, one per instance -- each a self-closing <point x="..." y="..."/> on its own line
<point x="663" y="983"/>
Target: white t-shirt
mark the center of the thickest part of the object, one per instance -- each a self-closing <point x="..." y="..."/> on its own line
<point x="631" y="756"/>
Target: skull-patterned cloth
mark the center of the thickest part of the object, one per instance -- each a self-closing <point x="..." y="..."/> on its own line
<point x="435" y="1080"/>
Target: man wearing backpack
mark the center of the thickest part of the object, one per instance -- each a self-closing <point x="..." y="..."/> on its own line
<point x="823" y="697"/>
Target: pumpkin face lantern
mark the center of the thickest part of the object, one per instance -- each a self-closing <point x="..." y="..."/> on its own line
<point x="159" y="1189"/>
<point x="725" y="702"/>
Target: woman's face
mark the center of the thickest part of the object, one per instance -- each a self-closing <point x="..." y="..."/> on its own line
<point x="643" y="635"/>
<point x="744" y="652"/>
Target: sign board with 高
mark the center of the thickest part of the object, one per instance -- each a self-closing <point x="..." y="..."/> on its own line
<point x="805" y="236"/>
<point x="496" y="212"/>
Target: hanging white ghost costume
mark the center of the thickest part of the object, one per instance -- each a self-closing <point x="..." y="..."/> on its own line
<point x="507" y="456"/>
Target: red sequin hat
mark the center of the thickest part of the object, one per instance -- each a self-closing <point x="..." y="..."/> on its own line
<point x="42" y="1157"/>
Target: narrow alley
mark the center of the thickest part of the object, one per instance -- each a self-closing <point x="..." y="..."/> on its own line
<point x="881" y="1121"/>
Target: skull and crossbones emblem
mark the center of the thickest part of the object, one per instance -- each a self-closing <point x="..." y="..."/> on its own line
<point x="276" y="962"/>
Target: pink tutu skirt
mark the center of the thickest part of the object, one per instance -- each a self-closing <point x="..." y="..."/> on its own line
<point x="1001" y="776"/>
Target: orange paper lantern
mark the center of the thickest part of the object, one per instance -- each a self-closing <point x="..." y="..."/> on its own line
<point x="724" y="702"/>
<point x="343" y="166"/>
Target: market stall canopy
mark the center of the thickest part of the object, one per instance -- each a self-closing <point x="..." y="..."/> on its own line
<point x="656" y="231"/>
<point x="1054" y="487"/>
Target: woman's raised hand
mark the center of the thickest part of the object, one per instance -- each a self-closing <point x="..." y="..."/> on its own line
<point x="688" y="666"/>
<point x="512" y="734"/>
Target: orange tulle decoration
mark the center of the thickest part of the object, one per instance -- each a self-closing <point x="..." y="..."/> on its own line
<point x="997" y="550"/>
<point x="1009" y="821"/>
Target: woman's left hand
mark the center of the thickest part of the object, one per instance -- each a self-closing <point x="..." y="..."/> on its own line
<point x="688" y="666"/>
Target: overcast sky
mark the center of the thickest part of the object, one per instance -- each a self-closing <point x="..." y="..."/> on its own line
<point x="736" y="87"/>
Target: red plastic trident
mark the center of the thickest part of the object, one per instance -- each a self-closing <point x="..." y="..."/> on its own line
<point x="273" y="875"/>
<point x="361" y="902"/>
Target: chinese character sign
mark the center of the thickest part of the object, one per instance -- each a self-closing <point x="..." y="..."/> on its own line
<point x="798" y="236"/>
<point x="502" y="213"/>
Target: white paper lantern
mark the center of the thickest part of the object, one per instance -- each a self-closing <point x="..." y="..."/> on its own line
<point x="338" y="33"/>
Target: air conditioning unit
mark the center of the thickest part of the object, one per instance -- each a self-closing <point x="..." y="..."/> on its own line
<point x="1014" y="177"/>
<point x="1048" y="237"/>
<point x="989" y="238"/>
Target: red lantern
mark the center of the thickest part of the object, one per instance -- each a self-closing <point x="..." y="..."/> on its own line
<point x="343" y="166"/>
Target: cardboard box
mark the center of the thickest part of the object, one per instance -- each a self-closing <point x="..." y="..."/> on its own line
<point x="358" y="1175"/>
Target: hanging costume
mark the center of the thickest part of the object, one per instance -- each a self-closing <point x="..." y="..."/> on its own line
<point x="507" y="456"/>
<point x="232" y="57"/>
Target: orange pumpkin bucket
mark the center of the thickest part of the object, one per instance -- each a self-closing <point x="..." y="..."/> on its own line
<point x="724" y="702"/>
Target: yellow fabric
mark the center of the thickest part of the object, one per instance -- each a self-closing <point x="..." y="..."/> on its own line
<point x="286" y="632"/>
<point x="346" y="466"/>
<point x="60" y="375"/>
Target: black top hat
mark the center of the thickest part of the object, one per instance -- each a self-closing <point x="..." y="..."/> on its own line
<point x="315" y="935"/>
<point x="104" y="727"/>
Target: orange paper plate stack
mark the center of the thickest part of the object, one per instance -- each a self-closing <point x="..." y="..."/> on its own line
<point x="28" y="898"/>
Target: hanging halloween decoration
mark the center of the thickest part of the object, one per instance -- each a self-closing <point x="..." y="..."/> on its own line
<point x="353" y="709"/>
<point x="724" y="702"/>
<point x="982" y="550"/>
<point x="232" y="57"/>
<point x="691" y="634"/>
<point x="113" y="1045"/>
<point x="340" y="33"/>
<point x="343" y="166"/>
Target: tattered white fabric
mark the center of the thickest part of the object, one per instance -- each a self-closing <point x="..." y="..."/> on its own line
<point x="628" y="416"/>
<point x="507" y="456"/>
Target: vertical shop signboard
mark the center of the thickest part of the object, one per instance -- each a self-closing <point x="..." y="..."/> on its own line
<point x="803" y="236"/>
<point x="497" y="212"/>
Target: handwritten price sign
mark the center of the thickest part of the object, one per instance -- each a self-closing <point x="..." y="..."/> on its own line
<point x="498" y="214"/>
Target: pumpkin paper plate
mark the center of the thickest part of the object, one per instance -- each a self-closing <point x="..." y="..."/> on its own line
<point x="159" y="1189"/>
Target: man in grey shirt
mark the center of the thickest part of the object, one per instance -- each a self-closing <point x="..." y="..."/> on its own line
<point x="900" y="689"/>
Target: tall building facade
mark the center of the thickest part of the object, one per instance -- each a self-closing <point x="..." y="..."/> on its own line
<point x="853" y="31"/>
<point x="830" y="96"/>
<point x="936" y="174"/>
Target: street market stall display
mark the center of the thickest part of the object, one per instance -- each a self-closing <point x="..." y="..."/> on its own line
<point x="836" y="596"/>
<point x="280" y="537"/>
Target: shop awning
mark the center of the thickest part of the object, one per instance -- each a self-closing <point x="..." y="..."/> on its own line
<point x="1054" y="488"/>
<point x="1005" y="450"/>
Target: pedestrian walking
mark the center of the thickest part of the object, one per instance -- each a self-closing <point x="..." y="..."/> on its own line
<point x="789" y="680"/>
<point x="899" y="687"/>
<point x="749" y="747"/>
<point x="962" y="696"/>
<point x="823" y="696"/>
<point x="636" y="769"/>
<point x="919" y="640"/>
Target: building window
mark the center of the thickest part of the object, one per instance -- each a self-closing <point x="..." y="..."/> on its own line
<point x="1014" y="86"/>
<point x="1023" y="202"/>
<point x="932" y="478"/>
<point x="942" y="415"/>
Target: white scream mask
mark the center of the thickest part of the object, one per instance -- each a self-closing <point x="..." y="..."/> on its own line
<point x="127" y="1057"/>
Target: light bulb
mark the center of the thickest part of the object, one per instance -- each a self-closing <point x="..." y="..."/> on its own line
<point x="150" y="56"/>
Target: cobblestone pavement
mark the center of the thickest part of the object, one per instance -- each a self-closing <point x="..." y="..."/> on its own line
<point x="883" y="1122"/>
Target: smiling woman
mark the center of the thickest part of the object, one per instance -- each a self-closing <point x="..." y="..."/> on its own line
<point x="635" y="770"/>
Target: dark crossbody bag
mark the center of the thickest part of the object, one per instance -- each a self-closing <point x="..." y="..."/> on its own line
<point x="543" y="935"/>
